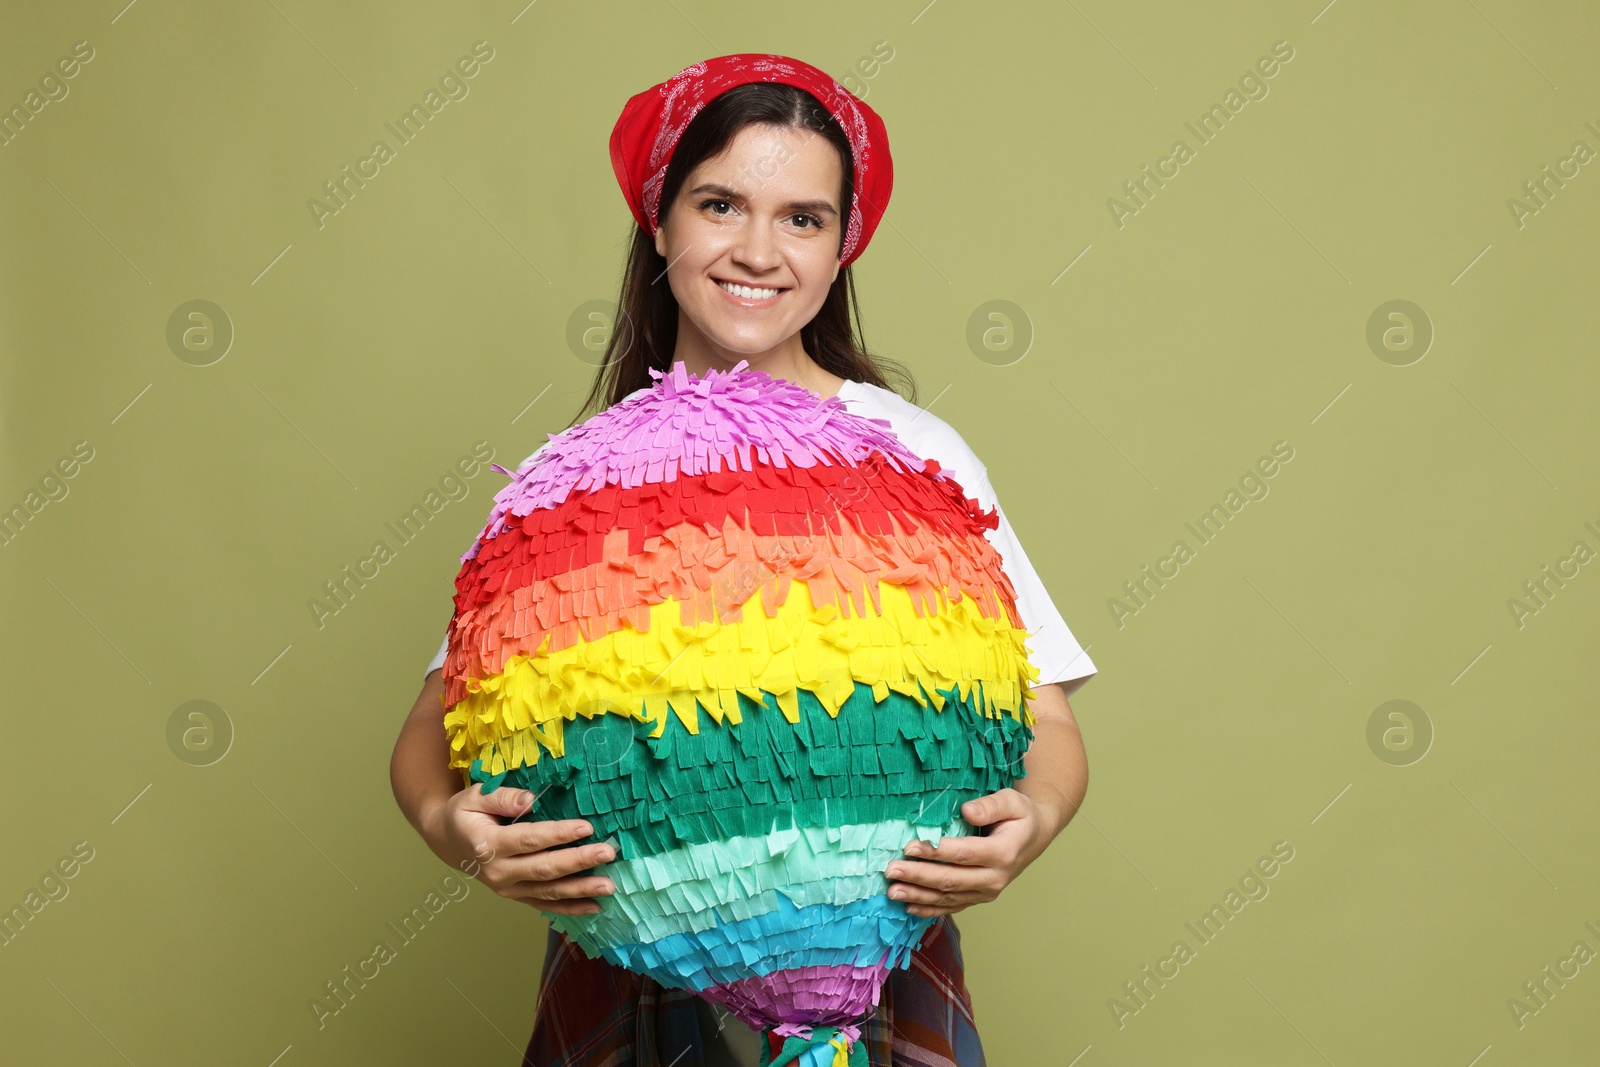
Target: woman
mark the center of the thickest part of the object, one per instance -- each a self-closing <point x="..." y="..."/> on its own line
<point x="755" y="181"/>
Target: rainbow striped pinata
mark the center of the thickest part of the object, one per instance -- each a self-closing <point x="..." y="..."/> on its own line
<point x="761" y="646"/>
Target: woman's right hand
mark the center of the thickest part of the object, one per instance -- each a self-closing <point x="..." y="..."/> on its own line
<point x="520" y="860"/>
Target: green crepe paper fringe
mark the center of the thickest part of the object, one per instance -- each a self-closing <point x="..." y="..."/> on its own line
<point x="696" y="887"/>
<point x="877" y="761"/>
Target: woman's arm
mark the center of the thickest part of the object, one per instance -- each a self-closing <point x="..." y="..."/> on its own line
<point x="530" y="861"/>
<point x="1057" y="766"/>
<point x="419" y="770"/>
<point x="1022" y="821"/>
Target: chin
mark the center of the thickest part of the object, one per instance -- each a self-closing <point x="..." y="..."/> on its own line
<point x="739" y="343"/>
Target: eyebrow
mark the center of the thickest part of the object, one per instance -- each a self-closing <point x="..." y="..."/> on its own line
<point x="820" y="206"/>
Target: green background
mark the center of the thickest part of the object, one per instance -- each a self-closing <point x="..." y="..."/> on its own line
<point x="1231" y="312"/>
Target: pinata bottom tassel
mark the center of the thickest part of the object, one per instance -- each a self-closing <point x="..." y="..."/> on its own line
<point x="812" y="1046"/>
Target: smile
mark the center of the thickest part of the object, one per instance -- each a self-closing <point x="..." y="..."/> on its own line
<point x="753" y="296"/>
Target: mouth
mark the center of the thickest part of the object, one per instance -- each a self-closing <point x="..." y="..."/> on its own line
<point x="750" y="295"/>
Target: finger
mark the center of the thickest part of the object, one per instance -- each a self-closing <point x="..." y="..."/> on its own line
<point x="508" y="803"/>
<point x="1004" y="804"/>
<point x="970" y="851"/>
<point x="942" y="877"/>
<point x="551" y="864"/>
<point x="583" y="889"/>
<point x="497" y="846"/>
<point x="584" y="906"/>
<point x="492" y="843"/>
<point x="909" y="894"/>
<point x="999" y="850"/>
<point x="526" y="838"/>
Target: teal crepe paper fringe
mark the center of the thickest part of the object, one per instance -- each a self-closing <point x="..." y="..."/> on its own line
<point x="877" y="761"/>
<point x="863" y="933"/>
<point x="698" y="887"/>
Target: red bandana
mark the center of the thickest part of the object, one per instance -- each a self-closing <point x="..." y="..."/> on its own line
<point x="652" y="122"/>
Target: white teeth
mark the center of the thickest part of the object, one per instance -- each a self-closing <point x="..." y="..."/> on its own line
<point x="747" y="292"/>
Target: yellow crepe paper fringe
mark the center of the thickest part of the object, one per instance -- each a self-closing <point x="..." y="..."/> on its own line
<point x="710" y="573"/>
<point x="508" y="719"/>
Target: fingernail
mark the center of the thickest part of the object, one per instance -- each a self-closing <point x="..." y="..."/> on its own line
<point x="584" y="830"/>
<point x="896" y="872"/>
<point x="898" y="894"/>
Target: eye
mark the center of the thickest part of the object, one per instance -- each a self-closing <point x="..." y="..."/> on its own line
<point x="714" y="200"/>
<point x="816" y="223"/>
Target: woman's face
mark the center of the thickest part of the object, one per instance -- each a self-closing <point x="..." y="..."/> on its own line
<point x="763" y="214"/>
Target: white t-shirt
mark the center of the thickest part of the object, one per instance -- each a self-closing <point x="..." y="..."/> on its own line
<point x="1051" y="646"/>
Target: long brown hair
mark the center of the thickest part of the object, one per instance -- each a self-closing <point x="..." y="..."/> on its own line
<point x="645" y="332"/>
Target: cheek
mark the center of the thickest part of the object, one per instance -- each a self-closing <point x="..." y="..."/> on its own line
<point x="823" y="264"/>
<point x="817" y="297"/>
<point x="686" y="289"/>
<point x="819" y="279"/>
<point x="692" y="253"/>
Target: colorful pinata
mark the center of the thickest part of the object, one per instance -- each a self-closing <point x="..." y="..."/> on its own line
<point x="761" y="646"/>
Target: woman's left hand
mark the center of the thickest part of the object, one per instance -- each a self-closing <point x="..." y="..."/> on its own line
<point x="963" y="871"/>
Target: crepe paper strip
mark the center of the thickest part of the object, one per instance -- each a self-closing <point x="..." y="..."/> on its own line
<point x="711" y="572"/>
<point x="871" y="932"/>
<point x="804" y="853"/>
<point x="631" y="920"/>
<point x="818" y="1046"/>
<point x="698" y="887"/>
<point x="872" y="500"/>
<point x="507" y="719"/>
<point x="926" y="778"/>
<point x="801" y="646"/>
<point x="802" y="994"/>
<point x="695" y="425"/>
<point x="874" y="760"/>
<point x="648" y="915"/>
<point x="703" y="873"/>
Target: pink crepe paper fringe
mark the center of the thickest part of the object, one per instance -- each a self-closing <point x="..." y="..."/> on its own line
<point x="694" y="425"/>
<point x="818" y="996"/>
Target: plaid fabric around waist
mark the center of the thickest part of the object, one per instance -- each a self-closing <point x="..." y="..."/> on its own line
<point x="591" y="1013"/>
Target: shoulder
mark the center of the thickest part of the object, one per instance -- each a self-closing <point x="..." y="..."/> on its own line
<point x="921" y="431"/>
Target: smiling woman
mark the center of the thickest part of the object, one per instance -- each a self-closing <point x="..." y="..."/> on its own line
<point x="764" y="189"/>
<point x="744" y="665"/>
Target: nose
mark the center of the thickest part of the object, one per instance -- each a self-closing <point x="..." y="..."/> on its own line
<point x="756" y="249"/>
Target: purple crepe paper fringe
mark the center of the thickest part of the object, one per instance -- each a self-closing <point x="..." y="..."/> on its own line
<point x="818" y="996"/>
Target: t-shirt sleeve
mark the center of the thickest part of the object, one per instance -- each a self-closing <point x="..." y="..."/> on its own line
<point x="1051" y="644"/>
<point x="438" y="659"/>
<point x="1052" y="648"/>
